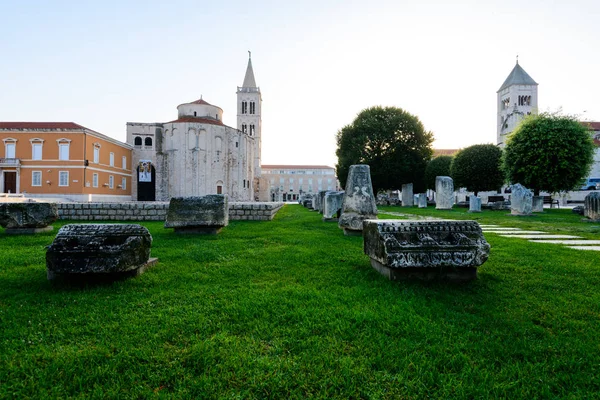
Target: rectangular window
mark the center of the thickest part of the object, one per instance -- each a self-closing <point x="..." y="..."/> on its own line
<point x="37" y="151"/>
<point x="95" y="180"/>
<point x="124" y="162"/>
<point x="123" y="183"/>
<point x="112" y="159"/>
<point x="97" y="155"/>
<point x="63" y="152"/>
<point x="111" y="181"/>
<point x="36" y="178"/>
<point x="10" y="150"/>
<point x="63" y="178"/>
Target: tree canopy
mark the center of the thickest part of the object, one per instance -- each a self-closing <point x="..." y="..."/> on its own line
<point x="438" y="166"/>
<point x="391" y="141"/>
<point x="478" y="168"/>
<point x="549" y="152"/>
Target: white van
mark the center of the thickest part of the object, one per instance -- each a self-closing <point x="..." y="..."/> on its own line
<point x="591" y="184"/>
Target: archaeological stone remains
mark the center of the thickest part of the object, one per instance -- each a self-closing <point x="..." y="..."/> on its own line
<point x="425" y="250"/>
<point x="359" y="201"/>
<point x="444" y="193"/>
<point x="422" y="200"/>
<point x="407" y="195"/>
<point x="537" y="204"/>
<point x="99" y="251"/>
<point x="27" y="217"/>
<point x="332" y="206"/>
<point x="474" y="204"/>
<point x="521" y="200"/>
<point x="591" y="206"/>
<point x="198" y="214"/>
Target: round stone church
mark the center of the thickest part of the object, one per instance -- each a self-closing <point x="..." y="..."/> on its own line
<point x="197" y="154"/>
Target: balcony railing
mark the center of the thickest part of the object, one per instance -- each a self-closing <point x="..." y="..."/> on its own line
<point x="10" y="162"/>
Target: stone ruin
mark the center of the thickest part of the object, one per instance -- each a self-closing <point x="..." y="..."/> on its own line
<point x="422" y="200"/>
<point x="407" y="195"/>
<point x="27" y="217"/>
<point x="359" y="201"/>
<point x="591" y="206"/>
<point x="537" y="204"/>
<point x="198" y="214"/>
<point x="474" y="204"/>
<point x="321" y="203"/>
<point x="444" y="193"/>
<point x="332" y="206"/>
<point x="99" y="251"/>
<point x="521" y="200"/>
<point x="425" y="250"/>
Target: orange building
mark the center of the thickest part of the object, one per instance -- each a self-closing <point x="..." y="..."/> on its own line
<point x="63" y="160"/>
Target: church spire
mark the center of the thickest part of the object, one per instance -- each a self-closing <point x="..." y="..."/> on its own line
<point x="249" y="81"/>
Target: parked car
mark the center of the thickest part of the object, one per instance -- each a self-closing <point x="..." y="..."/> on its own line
<point x="591" y="184"/>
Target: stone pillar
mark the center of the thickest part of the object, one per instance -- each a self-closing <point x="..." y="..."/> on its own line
<point x="537" y="204"/>
<point x="521" y="200"/>
<point x="359" y="200"/>
<point x="407" y="195"/>
<point x="321" y="201"/>
<point x="332" y="205"/>
<point x="444" y="193"/>
<point x="422" y="202"/>
<point x="591" y="206"/>
<point x="474" y="204"/>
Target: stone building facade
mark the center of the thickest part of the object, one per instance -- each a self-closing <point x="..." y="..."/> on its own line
<point x="63" y="160"/>
<point x="517" y="98"/>
<point x="197" y="154"/>
<point x="288" y="182"/>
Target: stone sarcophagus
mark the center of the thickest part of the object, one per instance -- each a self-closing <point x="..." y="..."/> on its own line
<point x="426" y="250"/>
<point x="99" y="249"/>
<point x="27" y="217"/>
<point x="198" y="214"/>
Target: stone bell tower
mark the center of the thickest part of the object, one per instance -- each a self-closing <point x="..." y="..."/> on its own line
<point x="249" y="105"/>
<point x="517" y="98"/>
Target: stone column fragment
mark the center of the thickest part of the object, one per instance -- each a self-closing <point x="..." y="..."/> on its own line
<point x="444" y="193"/>
<point x="407" y="195"/>
<point x="359" y="200"/>
<point x="521" y="200"/>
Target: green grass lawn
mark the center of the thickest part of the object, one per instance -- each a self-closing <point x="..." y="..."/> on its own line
<point x="291" y="308"/>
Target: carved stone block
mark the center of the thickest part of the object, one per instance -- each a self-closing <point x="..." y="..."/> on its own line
<point x="537" y="204"/>
<point x="25" y="217"/>
<point x="407" y="195"/>
<point x="426" y="250"/>
<point x="444" y="193"/>
<point x="521" y="200"/>
<point x="359" y="201"/>
<point x="422" y="202"/>
<point x="474" y="204"/>
<point x="200" y="215"/>
<point x="591" y="206"/>
<point x="332" y="206"/>
<point x="86" y="249"/>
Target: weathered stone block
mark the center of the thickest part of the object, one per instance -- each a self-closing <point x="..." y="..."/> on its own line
<point x="444" y="193"/>
<point x="521" y="200"/>
<point x="203" y="215"/>
<point x="426" y="250"/>
<point x="474" y="204"/>
<point x="422" y="202"/>
<point x="332" y="206"/>
<point x="591" y="206"/>
<point x="87" y="249"/>
<point x="359" y="200"/>
<point x="408" y="199"/>
<point x="27" y="218"/>
<point x="537" y="204"/>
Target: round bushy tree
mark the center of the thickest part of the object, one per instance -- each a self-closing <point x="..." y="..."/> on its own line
<point x="391" y="141"/>
<point x="438" y="166"/>
<point x="549" y="152"/>
<point x="478" y="168"/>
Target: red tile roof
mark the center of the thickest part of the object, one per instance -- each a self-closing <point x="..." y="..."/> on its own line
<point x="444" y="152"/>
<point x="593" y="125"/>
<point x="296" y="167"/>
<point x="41" y="125"/>
<point x="200" y="101"/>
<point x="198" y="120"/>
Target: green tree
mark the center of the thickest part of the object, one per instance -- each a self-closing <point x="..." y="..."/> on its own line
<point x="438" y="166"/>
<point x="391" y="141"/>
<point x="549" y="152"/>
<point x="478" y="168"/>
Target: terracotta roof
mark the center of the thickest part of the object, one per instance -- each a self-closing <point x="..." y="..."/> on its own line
<point x="41" y="125"/>
<point x="444" y="152"/>
<point x="200" y="101"/>
<point x="592" y="125"/>
<point x="296" y="167"/>
<point x="198" y="120"/>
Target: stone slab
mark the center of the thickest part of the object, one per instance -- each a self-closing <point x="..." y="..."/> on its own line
<point x="517" y="232"/>
<point x="569" y="242"/>
<point x="27" y="231"/>
<point x="548" y="236"/>
<point x="486" y="228"/>
<point x="591" y="248"/>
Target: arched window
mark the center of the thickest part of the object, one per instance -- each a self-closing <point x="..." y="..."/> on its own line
<point x="137" y="141"/>
<point x="148" y="142"/>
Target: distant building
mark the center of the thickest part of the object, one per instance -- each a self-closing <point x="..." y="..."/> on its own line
<point x="444" y="152"/>
<point x="63" y="160"/>
<point x="517" y="98"/>
<point x="197" y="154"/>
<point x="595" y="128"/>
<point x="288" y="182"/>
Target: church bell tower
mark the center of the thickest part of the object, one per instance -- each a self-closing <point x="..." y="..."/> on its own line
<point x="517" y="98"/>
<point x="249" y="105"/>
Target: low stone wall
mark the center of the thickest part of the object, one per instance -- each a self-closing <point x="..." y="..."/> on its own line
<point x="156" y="211"/>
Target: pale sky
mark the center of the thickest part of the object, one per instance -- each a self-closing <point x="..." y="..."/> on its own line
<point x="318" y="63"/>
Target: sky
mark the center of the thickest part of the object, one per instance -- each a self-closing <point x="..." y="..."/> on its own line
<point x="318" y="63"/>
